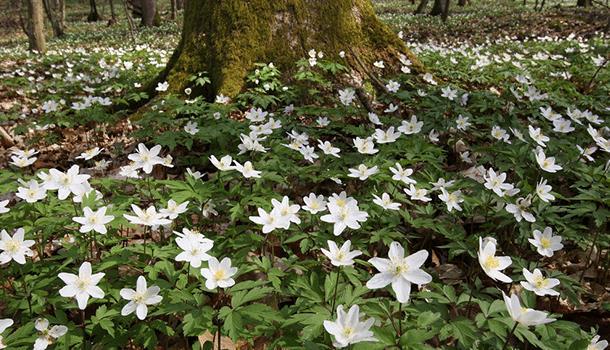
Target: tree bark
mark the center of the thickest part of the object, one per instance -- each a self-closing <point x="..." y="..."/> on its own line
<point x="180" y="4"/>
<point x="438" y="8"/>
<point x="93" y="16"/>
<point x="112" y="19"/>
<point x="584" y="3"/>
<point x="174" y="9"/>
<point x="35" y="26"/>
<point x="149" y="10"/>
<point x="461" y="2"/>
<point x="445" y="10"/>
<point x="225" y="39"/>
<point x="421" y="7"/>
<point x="55" y="10"/>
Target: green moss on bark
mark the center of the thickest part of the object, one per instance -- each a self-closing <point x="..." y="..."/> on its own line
<point x="225" y="38"/>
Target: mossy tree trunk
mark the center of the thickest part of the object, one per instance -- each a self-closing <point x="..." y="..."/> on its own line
<point x="35" y="26"/>
<point x="225" y="39"/>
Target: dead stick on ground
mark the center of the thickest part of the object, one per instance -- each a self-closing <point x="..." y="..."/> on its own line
<point x="5" y="138"/>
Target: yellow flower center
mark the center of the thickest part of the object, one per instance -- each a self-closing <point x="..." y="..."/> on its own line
<point x="138" y="298"/>
<point x="12" y="246"/>
<point x="220" y="275"/>
<point x="540" y="282"/>
<point x="348" y="331"/>
<point x="545" y="243"/>
<point x="400" y="268"/>
<point x="82" y="284"/>
<point x="492" y="262"/>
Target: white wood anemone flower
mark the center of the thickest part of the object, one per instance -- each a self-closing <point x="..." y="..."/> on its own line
<point x="47" y="336"/>
<point x="219" y="274"/>
<point x="538" y="284"/>
<point x="545" y="242"/>
<point x="399" y="271"/>
<point x="15" y="248"/>
<point x="140" y="298"/>
<point x="347" y="329"/>
<point x="340" y="256"/>
<point x="493" y="265"/>
<point x="82" y="286"/>
<point x="93" y="220"/>
<point x="524" y="316"/>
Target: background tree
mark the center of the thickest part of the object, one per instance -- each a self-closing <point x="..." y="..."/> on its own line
<point x="150" y="16"/>
<point x="112" y="19"/>
<point x="93" y="16"/>
<point x="173" y="9"/>
<point x="225" y="38"/>
<point x="421" y="7"/>
<point x="439" y="7"/>
<point x="56" y="13"/>
<point x="35" y="26"/>
<point x="146" y="10"/>
<point x="584" y="3"/>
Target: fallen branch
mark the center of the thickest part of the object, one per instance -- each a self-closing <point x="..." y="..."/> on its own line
<point x="5" y="138"/>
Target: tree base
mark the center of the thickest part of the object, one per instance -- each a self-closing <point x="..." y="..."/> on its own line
<point x="226" y="38"/>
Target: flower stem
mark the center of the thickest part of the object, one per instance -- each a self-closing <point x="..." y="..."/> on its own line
<point x="510" y="335"/>
<point x="145" y="236"/>
<point x="85" y="338"/>
<point x="332" y="307"/>
<point x="399" y="320"/>
<point x="582" y="274"/>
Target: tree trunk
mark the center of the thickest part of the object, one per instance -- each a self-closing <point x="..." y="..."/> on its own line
<point x="584" y="3"/>
<point x="55" y="10"/>
<point x="35" y="26"/>
<point x="438" y="8"/>
<point x="174" y="8"/>
<point x="445" y="11"/>
<point x="461" y="2"/>
<point x="112" y="19"/>
<point x="225" y="39"/>
<point x="150" y="15"/>
<point x="93" y="16"/>
<point x="180" y="4"/>
<point x="421" y="7"/>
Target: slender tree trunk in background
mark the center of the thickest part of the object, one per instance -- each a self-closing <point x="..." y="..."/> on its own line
<point x="93" y="16"/>
<point x="421" y="7"/>
<point x="180" y="4"/>
<point x="174" y="8"/>
<point x="36" y="26"/>
<point x="112" y="19"/>
<point x="461" y="2"/>
<point x="584" y="3"/>
<point x="132" y="27"/>
<point x="226" y="38"/>
<point x="438" y="8"/>
<point x="445" y="11"/>
<point x="55" y="10"/>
